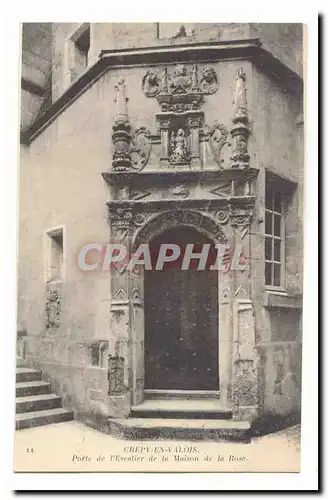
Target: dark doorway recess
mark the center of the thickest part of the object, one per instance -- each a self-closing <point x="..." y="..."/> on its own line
<point x="181" y="319"/>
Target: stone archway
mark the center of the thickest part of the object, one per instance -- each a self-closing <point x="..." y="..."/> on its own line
<point x="156" y="225"/>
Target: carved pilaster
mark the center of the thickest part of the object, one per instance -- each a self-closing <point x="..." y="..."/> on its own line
<point x="245" y="387"/>
<point x="240" y="130"/>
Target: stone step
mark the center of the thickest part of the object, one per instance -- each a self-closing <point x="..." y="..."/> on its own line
<point x="36" y="403"/>
<point x="193" y="429"/>
<point x="43" y="417"/>
<point x="24" y="374"/>
<point x="180" y="394"/>
<point x="32" y="388"/>
<point x="20" y="361"/>
<point x="181" y="408"/>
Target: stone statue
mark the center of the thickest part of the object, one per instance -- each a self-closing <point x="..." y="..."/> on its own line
<point x="179" y="148"/>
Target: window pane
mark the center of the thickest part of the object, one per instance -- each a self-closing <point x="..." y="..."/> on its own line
<point x="268" y="222"/>
<point x="268" y="273"/>
<point x="277" y="253"/>
<point x="277" y="202"/>
<point x="277" y="225"/>
<point x="268" y="199"/>
<point x="268" y="248"/>
<point x="276" y="276"/>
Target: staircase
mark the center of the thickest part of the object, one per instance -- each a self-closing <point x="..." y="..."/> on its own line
<point x="187" y="415"/>
<point x="35" y="404"/>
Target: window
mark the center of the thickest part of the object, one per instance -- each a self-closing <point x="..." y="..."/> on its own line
<point x="274" y="236"/>
<point x="81" y="46"/>
<point x="54" y="253"/>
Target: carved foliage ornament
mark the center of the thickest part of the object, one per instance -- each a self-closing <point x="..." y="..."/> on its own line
<point x="217" y="136"/>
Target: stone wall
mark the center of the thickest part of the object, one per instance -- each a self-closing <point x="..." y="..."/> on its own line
<point x="61" y="185"/>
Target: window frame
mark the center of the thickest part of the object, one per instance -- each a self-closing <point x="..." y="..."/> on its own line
<point x="71" y="42"/>
<point x="49" y="235"/>
<point x="275" y="188"/>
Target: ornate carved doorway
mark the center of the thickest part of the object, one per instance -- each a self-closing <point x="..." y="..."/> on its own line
<point x="181" y="318"/>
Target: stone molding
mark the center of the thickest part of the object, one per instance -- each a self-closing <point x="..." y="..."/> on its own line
<point x="246" y="50"/>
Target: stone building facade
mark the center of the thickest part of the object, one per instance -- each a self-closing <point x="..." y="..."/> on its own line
<point x="148" y="131"/>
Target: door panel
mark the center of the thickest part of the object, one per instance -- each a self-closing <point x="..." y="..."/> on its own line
<point x="181" y="320"/>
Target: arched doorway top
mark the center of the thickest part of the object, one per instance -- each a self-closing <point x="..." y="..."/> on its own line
<point x="159" y="223"/>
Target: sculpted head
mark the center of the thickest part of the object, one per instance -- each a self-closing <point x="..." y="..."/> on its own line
<point x="208" y="74"/>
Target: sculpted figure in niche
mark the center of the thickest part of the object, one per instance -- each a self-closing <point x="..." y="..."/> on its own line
<point x="209" y="81"/>
<point x="150" y="84"/>
<point x="180" y="153"/>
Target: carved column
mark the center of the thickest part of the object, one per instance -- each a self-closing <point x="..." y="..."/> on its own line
<point x="240" y="130"/>
<point x="194" y="122"/>
<point x="165" y="124"/>
<point x="121" y="136"/>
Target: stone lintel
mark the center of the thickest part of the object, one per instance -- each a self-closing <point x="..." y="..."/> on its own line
<point x="200" y="204"/>
<point x="157" y="176"/>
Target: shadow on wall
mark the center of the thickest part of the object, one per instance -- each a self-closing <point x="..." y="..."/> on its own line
<point x="271" y="422"/>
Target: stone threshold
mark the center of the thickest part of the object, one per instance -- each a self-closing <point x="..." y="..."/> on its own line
<point x="184" y="429"/>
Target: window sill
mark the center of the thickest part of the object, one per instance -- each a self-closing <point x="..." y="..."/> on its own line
<point x="279" y="298"/>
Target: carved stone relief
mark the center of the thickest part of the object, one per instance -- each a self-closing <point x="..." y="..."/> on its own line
<point x="241" y="216"/>
<point x="166" y="220"/>
<point x="245" y="388"/>
<point x="222" y="216"/>
<point x="180" y="154"/>
<point x="53" y="308"/>
<point x="180" y="81"/>
<point x="209" y="81"/>
<point x="121" y="218"/>
<point x="140" y="148"/>
<point x="279" y="365"/>
<point x="180" y="191"/>
<point x="223" y="190"/>
<point x="217" y="137"/>
<point x="245" y="377"/>
<point x="115" y="375"/>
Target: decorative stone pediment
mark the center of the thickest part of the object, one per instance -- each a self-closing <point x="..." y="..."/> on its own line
<point x="180" y="94"/>
<point x="182" y="89"/>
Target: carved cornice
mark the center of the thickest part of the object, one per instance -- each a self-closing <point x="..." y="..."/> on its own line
<point x="143" y="178"/>
<point x="240" y="205"/>
<point x="212" y="51"/>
